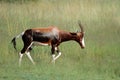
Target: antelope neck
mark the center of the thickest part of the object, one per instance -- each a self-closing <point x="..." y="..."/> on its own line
<point x="66" y="36"/>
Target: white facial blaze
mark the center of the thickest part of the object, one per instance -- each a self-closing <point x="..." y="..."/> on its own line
<point x="83" y="42"/>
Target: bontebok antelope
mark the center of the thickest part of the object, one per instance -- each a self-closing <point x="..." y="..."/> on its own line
<point x="51" y="36"/>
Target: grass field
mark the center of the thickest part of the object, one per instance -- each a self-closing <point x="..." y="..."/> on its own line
<point x="100" y="60"/>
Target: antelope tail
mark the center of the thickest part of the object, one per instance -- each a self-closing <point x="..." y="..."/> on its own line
<point x="14" y="40"/>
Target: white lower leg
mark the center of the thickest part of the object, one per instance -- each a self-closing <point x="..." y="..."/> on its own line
<point x="20" y="58"/>
<point x="59" y="54"/>
<point x="54" y="58"/>
<point x="29" y="56"/>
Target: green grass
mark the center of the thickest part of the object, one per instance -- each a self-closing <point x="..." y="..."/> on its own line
<point x="100" y="60"/>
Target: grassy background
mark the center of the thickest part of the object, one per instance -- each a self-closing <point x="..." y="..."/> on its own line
<point x="100" y="60"/>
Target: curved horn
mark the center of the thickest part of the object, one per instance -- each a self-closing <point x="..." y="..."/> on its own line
<point x="81" y="27"/>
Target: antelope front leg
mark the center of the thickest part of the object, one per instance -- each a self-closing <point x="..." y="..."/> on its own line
<point x="53" y="53"/>
<point x="56" y="57"/>
<point x="59" y="54"/>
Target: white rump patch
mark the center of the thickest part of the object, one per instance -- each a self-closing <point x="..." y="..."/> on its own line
<point x="20" y="35"/>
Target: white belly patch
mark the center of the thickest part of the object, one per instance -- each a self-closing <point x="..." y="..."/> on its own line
<point x="40" y="44"/>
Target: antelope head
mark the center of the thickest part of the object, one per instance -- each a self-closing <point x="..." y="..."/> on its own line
<point x="80" y="35"/>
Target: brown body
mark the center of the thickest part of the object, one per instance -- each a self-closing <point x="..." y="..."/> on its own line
<point x="51" y="36"/>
